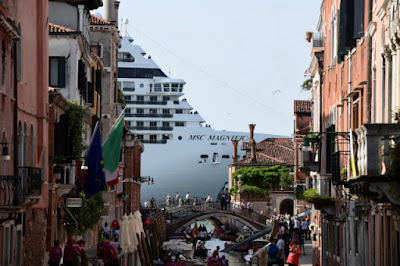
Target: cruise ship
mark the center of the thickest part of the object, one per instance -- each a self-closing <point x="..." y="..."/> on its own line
<point x="181" y="152"/>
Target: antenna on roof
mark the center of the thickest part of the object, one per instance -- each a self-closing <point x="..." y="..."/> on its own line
<point x="125" y="22"/>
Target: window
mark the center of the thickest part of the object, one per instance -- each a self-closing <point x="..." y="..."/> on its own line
<point x="140" y="137"/>
<point x="165" y="111"/>
<point x="140" y="98"/>
<point x="225" y="156"/>
<point x="165" y="98"/>
<point x="355" y="112"/>
<point x="127" y="111"/>
<point x="129" y="86"/>
<point x="166" y="87"/>
<point x="140" y="111"/>
<point x="179" y="111"/>
<point x="157" y="87"/>
<point x="153" y="98"/>
<point x="153" y="111"/>
<point x="180" y="87"/>
<point x="153" y="138"/>
<point x="153" y="124"/>
<point x="165" y="137"/>
<point x="215" y="158"/>
<point x="125" y="57"/>
<point x="165" y="124"/>
<point x="179" y="124"/>
<point x="32" y="144"/>
<point x="57" y="72"/>
<point x="175" y="87"/>
<point x="140" y="123"/>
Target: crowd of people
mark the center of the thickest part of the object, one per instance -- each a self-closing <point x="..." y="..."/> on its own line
<point x="288" y="244"/>
<point x="74" y="253"/>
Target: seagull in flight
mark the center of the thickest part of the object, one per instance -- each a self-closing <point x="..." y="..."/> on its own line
<point x="277" y="91"/>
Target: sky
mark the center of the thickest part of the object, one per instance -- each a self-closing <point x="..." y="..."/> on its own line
<point x="243" y="60"/>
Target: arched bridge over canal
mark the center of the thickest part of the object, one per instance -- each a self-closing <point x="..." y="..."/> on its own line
<point x="182" y="216"/>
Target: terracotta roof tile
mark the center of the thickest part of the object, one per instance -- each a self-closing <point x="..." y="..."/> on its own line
<point x="302" y="106"/>
<point x="275" y="151"/>
<point x="95" y="20"/>
<point x="57" y="28"/>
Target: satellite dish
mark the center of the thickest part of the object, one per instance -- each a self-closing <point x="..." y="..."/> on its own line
<point x="125" y="21"/>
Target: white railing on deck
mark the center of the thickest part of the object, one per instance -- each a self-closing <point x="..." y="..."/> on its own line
<point x="374" y="143"/>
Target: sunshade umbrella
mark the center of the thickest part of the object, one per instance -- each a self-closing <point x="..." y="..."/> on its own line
<point x="132" y="233"/>
<point x="176" y="245"/>
<point x="124" y="240"/>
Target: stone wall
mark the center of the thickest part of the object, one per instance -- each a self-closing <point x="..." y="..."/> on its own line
<point x="34" y="242"/>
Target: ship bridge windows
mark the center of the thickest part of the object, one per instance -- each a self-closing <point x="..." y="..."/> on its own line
<point x="181" y="88"/>
<point x="175" y="87"/>
<point x="166" y="87"/>
<point x="179" y="111"/>
<point x="149" y="73"/>
<point x="179" y="124"/>
<point x="125" y="57"/>
<point x="157" y="87"/>
<point x="129" y="86"/>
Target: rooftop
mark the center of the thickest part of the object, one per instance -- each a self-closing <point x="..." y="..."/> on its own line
<point x="275" y="151"/>
<point x="95" y="20"/>
<point x="57" y="28"/>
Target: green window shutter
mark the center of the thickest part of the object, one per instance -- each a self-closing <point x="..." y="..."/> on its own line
<point x="61" y="72"/>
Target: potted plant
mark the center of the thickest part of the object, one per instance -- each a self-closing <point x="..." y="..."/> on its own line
<point x="123" y="196"/>
<point x="343" y="173"/>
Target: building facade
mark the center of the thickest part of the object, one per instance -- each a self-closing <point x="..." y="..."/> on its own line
<point x="355" y="97"/>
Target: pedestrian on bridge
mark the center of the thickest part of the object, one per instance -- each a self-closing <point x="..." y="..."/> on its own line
<point x="228" y="202"/>
<point x="177" y="197"/>
<point x="223" y="202"/>
<point x="187" y="198"/>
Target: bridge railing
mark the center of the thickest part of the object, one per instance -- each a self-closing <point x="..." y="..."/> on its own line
<point x="189" y="210"/>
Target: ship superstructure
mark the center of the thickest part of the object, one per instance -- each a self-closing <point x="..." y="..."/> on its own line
<point x="182" y="153"/>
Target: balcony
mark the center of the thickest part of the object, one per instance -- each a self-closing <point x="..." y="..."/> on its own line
<point x="16" y="190"/>
<point x="151" y="141"/>
<point x="150" y="115"/>
<point x="151" y="128"/>
<point x="146" y="102"/>
<point x="374" y="142"/>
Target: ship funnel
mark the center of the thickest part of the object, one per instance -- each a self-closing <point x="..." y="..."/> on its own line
<point x="235" y="149"/>
<point x="252" y="144"/>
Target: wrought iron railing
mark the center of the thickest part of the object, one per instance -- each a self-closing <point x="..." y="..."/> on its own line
<point x="15" y="189"/>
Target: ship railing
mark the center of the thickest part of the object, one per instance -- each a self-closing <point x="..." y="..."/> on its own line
<point x="151" y="128"/>
<point x="150" y="115"/>
<point x="151" y="141"/>
<point x="147" y="102"/>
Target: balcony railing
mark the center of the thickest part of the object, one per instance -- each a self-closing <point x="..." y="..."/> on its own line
<point x="14" y="190"/>
<point x="151" y="128"/>
<point x="146" y="102"/>
<point x="374" y="143"/>
<point x="164" y="141"/>
<point x="149" y="115"/>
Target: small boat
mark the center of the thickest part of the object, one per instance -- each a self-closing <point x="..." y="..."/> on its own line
<point x="227" y="237"/>
<point x="203" y="236"/>
<point x="243" y="248"/>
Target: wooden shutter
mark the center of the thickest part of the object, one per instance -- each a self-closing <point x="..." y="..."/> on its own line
<point x="359" y="11"/>
<point x="61" y="72"/>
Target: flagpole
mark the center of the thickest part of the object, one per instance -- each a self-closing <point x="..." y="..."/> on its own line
<point x="91" y="140"/>
<point x="116" y="122"/>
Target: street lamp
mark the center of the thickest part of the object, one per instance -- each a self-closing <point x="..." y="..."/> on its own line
<point x="306" y="145"/>
<point x="5" y="154"/>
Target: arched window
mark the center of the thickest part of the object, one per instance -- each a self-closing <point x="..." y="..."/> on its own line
<point x="20" y="144"/>
<point x="25" y="145"/>
<point x="32" y="144"/>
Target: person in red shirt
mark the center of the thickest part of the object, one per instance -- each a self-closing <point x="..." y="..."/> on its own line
<point x="294" y="254"/>
<point x="70" y="251"/>
<point x="55" y="254"/>
<point x="114" y="226"/>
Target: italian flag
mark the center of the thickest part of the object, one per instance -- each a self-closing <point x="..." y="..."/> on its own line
<point x="111" y="152"/>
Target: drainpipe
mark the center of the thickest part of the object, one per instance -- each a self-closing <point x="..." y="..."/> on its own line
<point x="348" y="100"/>
<point x="235" y="148"/>
<point x="369" y="50"/>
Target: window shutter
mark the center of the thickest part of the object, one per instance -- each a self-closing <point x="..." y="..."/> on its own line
<point x="98" y="81"/>
<point x="61" y="72"/>
<point x="342" y="31"/>
<point x="359" y="11"/>
<point x="90" y="93"/>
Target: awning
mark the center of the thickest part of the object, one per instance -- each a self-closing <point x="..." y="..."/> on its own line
<point x="302" y="214"/>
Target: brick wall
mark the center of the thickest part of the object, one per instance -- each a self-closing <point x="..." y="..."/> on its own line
<point x="34" y="242"/>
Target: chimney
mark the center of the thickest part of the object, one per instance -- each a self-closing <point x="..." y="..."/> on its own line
<point x="235" y="147"/>
<point x="252" y="144"/>
<point x="116" y="13"/>
<point x="109" y="10"/>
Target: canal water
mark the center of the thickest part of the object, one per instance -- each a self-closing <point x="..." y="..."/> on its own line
<point x="235" y="258"/>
